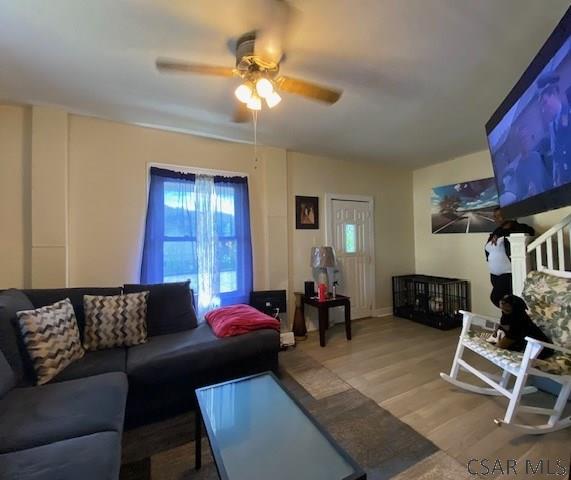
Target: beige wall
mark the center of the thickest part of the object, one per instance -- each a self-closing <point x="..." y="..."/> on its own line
<point x="14" y="196"/>
<point x="460" y="255"/>
<point x="89" y="178"/>
<point x="74" y="193"/>
<point x="108" y="165"/>
<point x="49" y="215"/>
<point x="107" y="201"/>
<point x="391" y="190"/>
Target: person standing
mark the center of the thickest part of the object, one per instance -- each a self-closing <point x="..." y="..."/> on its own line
<point x="498" y="255"/>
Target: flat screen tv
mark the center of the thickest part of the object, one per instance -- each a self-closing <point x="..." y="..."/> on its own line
<point x="529" y="135"/>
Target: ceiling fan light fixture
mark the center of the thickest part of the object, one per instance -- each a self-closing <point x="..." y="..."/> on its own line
<point x="273" y="99"/>
<point x="264" y="87"/>
<point x="255" y="102"/>
<point x="244" y="92"/>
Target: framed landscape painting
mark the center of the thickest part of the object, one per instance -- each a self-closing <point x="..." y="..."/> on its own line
<point x="466" y="207"/>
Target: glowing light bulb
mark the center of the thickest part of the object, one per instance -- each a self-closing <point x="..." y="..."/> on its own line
<point x="273" y="99"/>
<point x="244" y="93"/>
<point x="255" y="103"/>
<point x="264" y="87"/>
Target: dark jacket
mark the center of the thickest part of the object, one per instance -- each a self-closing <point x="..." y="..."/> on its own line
<point x="504" y="230"/>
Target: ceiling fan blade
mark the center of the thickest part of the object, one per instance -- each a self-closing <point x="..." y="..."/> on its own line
<point x="308" y="89"/>
<point x="176" y="66"/>
<point x="271" y="37"/>
<point x="241" y="113"/>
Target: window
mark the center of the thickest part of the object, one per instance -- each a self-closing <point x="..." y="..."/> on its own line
<point x="350" y="238"/>
<point x="179" y="240"/>
<point x="198" y="228"/>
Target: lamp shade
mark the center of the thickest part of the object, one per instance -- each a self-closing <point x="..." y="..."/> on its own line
<point x="323" y="257"/>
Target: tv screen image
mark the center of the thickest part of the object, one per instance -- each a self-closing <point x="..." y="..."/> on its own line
<point x="529" y="136"/>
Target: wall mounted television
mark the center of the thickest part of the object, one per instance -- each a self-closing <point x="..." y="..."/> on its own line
<point x="529" y="135"/>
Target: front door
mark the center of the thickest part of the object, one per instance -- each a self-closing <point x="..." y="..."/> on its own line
<point x="352" y="233"/>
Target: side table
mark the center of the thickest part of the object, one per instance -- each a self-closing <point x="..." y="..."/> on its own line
<point x="323" y="313"/>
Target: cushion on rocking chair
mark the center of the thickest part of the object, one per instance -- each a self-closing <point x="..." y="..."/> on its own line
<point x="501" y="357"/>
<point x="548" y="298"/>
<point x="558" y="364"/>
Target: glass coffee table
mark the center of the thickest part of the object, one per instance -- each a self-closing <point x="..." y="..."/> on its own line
<point x="258" y="430"/>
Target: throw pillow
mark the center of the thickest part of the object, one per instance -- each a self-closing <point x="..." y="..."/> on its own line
<point x="51" y="337"/>
<point x="41" y="297"/>
<point x="170" y="307"/>
<point x="115" y="321"/>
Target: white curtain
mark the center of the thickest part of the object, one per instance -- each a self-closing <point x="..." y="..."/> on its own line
<point x="206" y="245"/>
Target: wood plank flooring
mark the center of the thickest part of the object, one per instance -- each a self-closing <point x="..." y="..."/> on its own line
<point x="397" y="363"/>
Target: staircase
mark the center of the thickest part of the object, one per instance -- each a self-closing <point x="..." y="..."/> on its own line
<point x="549" y="251"/>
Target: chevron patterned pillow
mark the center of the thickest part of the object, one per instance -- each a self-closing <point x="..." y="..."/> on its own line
<point x="115" y="321"/>
<point x="51" y="337"/>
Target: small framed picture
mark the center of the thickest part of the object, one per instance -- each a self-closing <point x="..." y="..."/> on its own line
<point x="306" y="213"/>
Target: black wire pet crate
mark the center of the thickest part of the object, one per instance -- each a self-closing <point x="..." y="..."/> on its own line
<point x="434" y="301"/>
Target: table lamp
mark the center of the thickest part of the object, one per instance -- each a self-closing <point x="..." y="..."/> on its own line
<point x="322" y="258"/>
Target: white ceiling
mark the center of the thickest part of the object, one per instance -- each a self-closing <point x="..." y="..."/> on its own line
<point x="420" y="77"/>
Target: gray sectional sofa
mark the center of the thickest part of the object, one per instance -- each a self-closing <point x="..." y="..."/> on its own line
<point x="71" y="427"/>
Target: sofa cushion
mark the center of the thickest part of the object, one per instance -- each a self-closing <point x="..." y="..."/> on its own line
<point x="11" y="302"/>
<point x="95" y="363"/>
<point x="115" y="321"/>
<point x="176" y="356"/>
<point x="46" y="296"/>
<point x="90" y="457"/>
<point x="170" y="307"/>
<point x="51" y="337"/>
<point x="33" y="416"/>
<point x="7" y="376"/>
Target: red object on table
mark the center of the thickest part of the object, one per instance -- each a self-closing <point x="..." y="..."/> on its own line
<point x="322" y="292"/>
<point x="239" y="319"/>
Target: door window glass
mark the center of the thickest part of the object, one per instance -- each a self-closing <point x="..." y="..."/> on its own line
<point x="350" y="238"/>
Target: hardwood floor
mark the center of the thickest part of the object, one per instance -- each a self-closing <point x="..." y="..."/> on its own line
<point x="397" y="363"/>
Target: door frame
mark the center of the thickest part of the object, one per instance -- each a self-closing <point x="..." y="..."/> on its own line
<point x="328" y="219"/>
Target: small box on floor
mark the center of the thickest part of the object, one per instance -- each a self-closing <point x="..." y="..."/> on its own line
<point x="287" y="339"/>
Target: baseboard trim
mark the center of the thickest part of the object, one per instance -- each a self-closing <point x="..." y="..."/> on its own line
<point x="383" y="312"/>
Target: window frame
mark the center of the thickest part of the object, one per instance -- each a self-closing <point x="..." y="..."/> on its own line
<point x="200" y="171"/>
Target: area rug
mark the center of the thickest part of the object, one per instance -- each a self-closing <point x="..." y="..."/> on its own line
<point x="383" y="445"/>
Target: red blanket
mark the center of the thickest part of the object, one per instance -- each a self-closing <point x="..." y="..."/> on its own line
<point x="239" y="319"/>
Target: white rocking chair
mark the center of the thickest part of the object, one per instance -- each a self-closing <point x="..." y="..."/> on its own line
<point x="520" y="365"/>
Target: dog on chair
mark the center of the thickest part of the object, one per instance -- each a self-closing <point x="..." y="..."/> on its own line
<point x="515" y="325"/>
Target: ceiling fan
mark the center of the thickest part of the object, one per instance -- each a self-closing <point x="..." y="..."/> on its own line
<point x="259" y="54"/>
